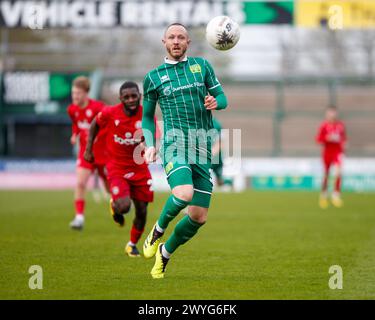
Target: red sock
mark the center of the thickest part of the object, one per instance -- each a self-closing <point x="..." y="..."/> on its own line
<point x="338" y="184"/>
<point x="80" y="206"/>
<point x="135" y="234"/>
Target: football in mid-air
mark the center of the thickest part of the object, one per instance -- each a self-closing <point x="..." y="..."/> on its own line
<point x="222" y="33"/>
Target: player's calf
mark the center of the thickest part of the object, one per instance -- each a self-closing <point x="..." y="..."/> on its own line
<point x="137" y="228"/>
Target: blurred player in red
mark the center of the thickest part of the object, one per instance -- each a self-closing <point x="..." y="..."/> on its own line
<point x="82" y="111"/>
<point x="332" y="137"/>
<point x="128" y="180"/>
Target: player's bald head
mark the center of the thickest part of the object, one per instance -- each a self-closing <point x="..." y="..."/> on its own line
<point x="176" y="41"/>
<point x="176" y="27"/>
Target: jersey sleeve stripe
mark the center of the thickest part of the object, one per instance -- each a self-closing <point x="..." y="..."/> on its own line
<point x="173" y="171"/>
<point x="214" y="86"/>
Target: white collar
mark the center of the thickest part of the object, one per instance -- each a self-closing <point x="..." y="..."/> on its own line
<point x="169" y="61"/>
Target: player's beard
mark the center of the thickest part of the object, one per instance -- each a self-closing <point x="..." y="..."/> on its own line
<point x="130" y="111"/>
<point x="179" y="55"/>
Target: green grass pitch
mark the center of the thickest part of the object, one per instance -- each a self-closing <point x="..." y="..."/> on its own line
<point x="255" y="245"/>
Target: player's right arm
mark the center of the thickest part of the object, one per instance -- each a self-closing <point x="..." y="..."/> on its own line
<point x="148" y="118"/>
<point x="321" y="135"/>
<point x="93" y="132"/>
<point x="99" y="121"/>
<point x="75" y="129"/>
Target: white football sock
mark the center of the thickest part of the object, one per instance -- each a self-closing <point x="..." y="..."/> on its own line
<point x="158" y="228"/>
<point x="165" y="253"/>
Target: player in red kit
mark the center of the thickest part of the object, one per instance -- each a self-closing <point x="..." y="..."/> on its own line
<point x="128" y="179"/>
<point x="332" y="137"/>
<point x="82" y="111"/>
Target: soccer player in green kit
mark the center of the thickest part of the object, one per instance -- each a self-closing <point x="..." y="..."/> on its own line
<point x="187" y="91"/>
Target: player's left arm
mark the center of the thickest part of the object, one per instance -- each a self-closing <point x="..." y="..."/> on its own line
<point x="217" y="145"/>
<point x="216" y="100"/>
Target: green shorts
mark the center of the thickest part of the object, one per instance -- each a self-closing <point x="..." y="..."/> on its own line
<point x="198" y="175"/>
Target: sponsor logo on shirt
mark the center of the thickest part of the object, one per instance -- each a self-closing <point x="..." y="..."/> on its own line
<point x="189" y="86"/>
<point x="168" y="90"/>
<point x="128" y="140"/>
<point x="84" y="125"/>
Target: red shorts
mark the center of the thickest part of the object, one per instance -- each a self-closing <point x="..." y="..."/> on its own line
<point x="102" y="171"/>
<point x="332" y="158"/>
<point x="135" y="181"/>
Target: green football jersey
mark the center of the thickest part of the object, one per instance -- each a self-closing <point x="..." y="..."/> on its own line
<point x="180" y="88"/>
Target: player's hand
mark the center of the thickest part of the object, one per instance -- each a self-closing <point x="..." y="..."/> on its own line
<point x="88" y="156"/>
<point x="73" y="139"/>
<point x="150" y="154"/>
<point x="210" y="103"/>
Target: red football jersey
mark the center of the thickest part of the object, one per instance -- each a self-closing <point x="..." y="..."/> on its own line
<point x="81" y="120"/>
<point x="332" y="136"/>
<point x="124" y="134"/>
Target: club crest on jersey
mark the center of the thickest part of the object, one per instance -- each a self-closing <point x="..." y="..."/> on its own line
<point x="167" y="91"/>
<point x="89" y="113"/>
<point x="117" y="122"/>
<point x="195" y="68"/>
<point x="138" y="124"/>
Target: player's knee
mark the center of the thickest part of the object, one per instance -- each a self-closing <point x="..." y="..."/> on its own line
<point x="198" y="214"/>
<point x="337" y="171"/>
<point x="200" y="219"/>
<point x="81" y="185"/>
<point x="185" y="192"/>
<point x="122" y="206"/>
